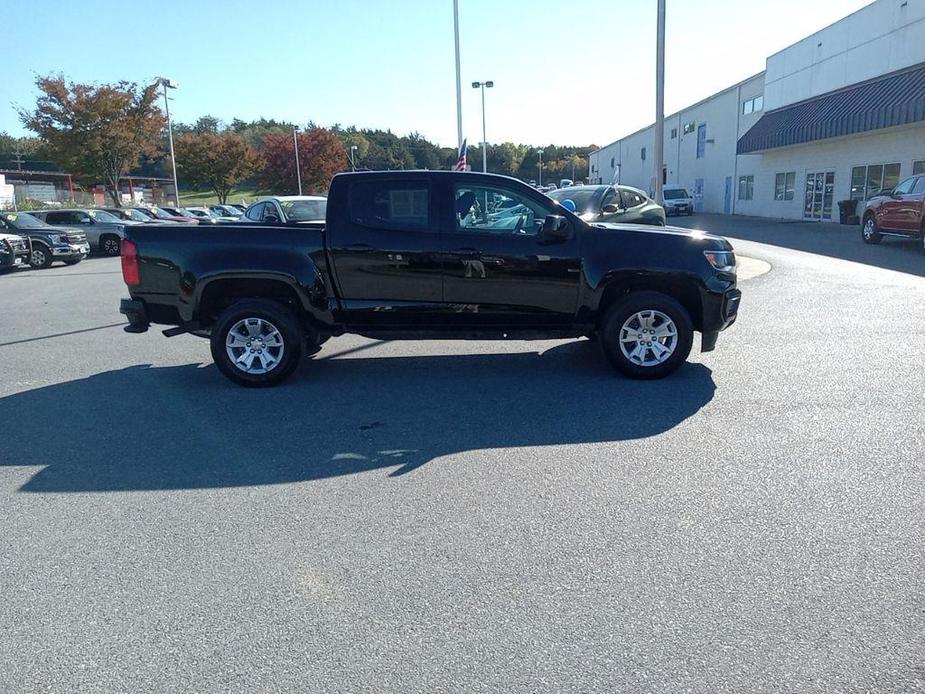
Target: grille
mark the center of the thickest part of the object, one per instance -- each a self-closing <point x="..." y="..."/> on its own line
<point x="73" y="237"/>
<point x="18" y="245"/>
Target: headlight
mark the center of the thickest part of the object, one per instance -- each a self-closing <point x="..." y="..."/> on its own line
<point x="724" y="261"/>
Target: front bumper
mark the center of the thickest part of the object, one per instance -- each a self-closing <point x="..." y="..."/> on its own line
<point x="70" y="250"/>
<point x="719" y="313"/>
<point x="679" y="209"/>
<point x="136" y="314"/>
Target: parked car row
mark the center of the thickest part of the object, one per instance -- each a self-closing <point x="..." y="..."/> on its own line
<point x="42" y="242"/>
<point x="616" y="204"/>
<point x="898" y="212"/>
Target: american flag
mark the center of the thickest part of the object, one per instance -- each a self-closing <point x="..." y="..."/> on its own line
<point x="461" y="162"/>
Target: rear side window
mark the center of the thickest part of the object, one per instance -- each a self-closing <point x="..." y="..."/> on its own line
<point x="64" y="217"/>
<point x="389" y="204"/>
<point x="631" y="199"/>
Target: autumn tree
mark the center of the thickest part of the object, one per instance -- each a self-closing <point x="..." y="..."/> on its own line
<point x="321" y="155"/>
<point x="216" y="161"/>
<point x="98" y="132"/>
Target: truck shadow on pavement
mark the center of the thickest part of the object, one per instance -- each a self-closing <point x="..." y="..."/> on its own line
<point x="186" y="427"/>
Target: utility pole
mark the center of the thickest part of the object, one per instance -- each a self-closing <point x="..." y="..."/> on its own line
<point x="167" y="84"/>
<point x="477" y="85"/>
<point x="540" y="152"/>
<point x="295" y="142"/>
<point x="660" y="103"/>
<point x="459" y="128"/>
<point x="353" y="157"/>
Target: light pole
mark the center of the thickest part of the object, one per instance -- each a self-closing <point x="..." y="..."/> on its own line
<point x="482" y="85"/>
<point x="660" y="102"/>
<point x="353" y="157"/>
<point x="540" y="152"/>
<point x="459" y="135"/>
<point x="168" y="84"/>
<point x="295" y="142"/>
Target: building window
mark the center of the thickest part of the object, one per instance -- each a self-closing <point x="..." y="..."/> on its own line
<point x="689" y="127"/>
<point x="612" y="162"/>
<point x="918" y="167"/>
<point x="753" y="105"/>
<point x="701" y="140"/>
<point x="642" y="153"/>
<point x="674" y="134"/>
<point x="784" y="185"/>
<point x="746" y="187"/>
<point x="870" y="179"/>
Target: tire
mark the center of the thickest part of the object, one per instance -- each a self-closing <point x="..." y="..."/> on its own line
<point x="110" y="245"/>
<point x="644" y="311"/>
<point x="252" y="324"/>
<point x="922" y="239"/>
<point x="869" y="231"/>
<point x="41" y="257"/>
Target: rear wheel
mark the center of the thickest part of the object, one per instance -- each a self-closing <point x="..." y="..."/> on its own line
<point x="870" y="232"/>
<point x="256" y="342"/>
<point x="41" y="256"/>
<point x="647" y="335"/>
<point x="110" y="245"/>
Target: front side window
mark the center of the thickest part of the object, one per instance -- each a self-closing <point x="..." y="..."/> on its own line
<point x="496" y="210"/>
<point x="255" y="212"/>
<point x="103" y="217"/>
<point x="919" y="186"/>
<point x="305" y="210"/>
<point x="390" y="204"/>
<point x="631" y="198"/>
<point x="905" y="187"/>
<point x="746" y="187"/>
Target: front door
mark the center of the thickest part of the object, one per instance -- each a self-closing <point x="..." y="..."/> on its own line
<point x="499" y="268"/>
<point x="897" y="211"/>
<point x="386" y="252"/>
<point x="819" y="195"/>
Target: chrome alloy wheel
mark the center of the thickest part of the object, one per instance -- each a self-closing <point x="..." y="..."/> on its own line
<point x="648" y="338"/>
<point x="869" y="228"/>
<point x="38" y="257"/>
<point x="254" y="345"/>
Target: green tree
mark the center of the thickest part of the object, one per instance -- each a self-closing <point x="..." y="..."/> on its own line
<point x="97" y="132"/>
<point x="214" y="161"/>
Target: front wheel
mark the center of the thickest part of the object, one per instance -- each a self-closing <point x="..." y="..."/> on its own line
<point x="40" y="257"/>
<point x="647" y="335"/>
<point x="256" y="342"/>
<point x="869" y="232"/>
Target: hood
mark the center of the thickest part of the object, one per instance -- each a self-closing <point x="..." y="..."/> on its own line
<point x="9" y="237"/>
<point x="706" y="239"/>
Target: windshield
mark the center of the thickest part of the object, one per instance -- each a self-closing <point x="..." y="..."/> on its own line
<point x="304" y="210"/>
<point x="162" y="214"/>
<point x="103" y="216"/>
<point x="582" y="197"/>
<point x="675" y="193"/>
<point x="21" y="220"/>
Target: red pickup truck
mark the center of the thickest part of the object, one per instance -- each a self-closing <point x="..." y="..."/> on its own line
<point x="897" y="212"/>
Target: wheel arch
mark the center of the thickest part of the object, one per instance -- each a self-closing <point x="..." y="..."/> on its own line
<point x="684" y="290"/>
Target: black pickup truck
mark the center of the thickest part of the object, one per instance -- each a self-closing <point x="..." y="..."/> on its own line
<point x="430" y="254"/>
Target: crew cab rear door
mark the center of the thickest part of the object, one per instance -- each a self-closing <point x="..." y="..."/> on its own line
<point x="384" y="243"/>
<point x="499" y="267"/>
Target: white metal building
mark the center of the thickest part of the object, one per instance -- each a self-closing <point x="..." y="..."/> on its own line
<point x="833" y="117"/>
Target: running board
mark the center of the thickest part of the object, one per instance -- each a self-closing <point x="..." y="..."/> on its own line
<point x="180" y="329"/>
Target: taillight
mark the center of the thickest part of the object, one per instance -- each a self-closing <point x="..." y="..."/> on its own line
<point x="130" y="263"/>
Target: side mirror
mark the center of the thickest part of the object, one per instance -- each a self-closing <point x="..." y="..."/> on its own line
<point x="555" y="228"/>
<point x="895" y="195"/>
<point x="610" y="209"/>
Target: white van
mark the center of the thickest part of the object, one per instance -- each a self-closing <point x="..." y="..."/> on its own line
<point x="566" y="183"/>
<point x="677" y="200"/>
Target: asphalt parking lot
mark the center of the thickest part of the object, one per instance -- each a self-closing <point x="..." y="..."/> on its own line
<point x="473" y="516"/>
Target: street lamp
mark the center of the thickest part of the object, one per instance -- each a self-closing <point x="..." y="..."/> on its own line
<point x="168" y="84"/>
<point x="482" y="85"/>
<point x="353" y="157"/>
<point x="295" y="142"/>
<point x="540" y="152"/>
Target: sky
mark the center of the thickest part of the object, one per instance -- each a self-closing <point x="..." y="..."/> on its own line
<point x="567" y="73"/>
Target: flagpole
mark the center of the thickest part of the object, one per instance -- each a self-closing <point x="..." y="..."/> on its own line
<point x="459" y="128"/>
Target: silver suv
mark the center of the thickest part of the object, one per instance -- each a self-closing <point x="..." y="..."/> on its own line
<point x="104" y="231"/>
